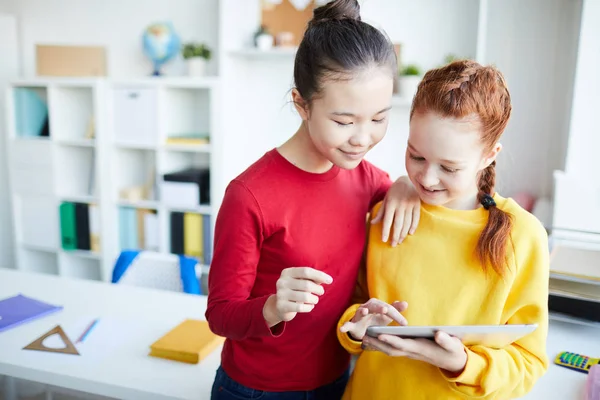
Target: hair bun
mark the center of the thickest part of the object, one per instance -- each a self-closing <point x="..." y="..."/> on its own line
<point x="336" y="11"/>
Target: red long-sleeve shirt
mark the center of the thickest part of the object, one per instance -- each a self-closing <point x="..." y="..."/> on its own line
<point x="275" y="216"/>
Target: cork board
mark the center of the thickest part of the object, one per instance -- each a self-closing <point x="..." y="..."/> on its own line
<point x="70" y="60"/>
<point x="284" y="17"/>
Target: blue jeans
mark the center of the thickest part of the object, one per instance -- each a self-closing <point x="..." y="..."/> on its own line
<point x="225" y="388"/>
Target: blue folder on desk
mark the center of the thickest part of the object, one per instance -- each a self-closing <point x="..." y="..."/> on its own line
<point x="19" y="309"/>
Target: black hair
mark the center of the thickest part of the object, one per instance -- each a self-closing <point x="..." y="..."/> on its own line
<point x="337" y="43"/>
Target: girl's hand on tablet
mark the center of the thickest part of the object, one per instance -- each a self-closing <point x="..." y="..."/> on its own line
<point x="374" y="312"/>
<point x="446" y="352"/>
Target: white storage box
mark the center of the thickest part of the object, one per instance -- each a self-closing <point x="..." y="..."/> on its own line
<point x="180" y="194"/>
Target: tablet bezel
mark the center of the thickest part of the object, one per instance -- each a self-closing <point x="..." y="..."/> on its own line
<point x="486" y="335"/>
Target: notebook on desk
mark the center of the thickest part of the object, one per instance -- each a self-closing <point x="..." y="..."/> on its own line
<point x="19" y="309"/>
<point x="189" y="342"/>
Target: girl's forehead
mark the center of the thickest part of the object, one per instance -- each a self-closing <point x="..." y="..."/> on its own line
<point x="364" y="91"/>
<point x="445" y="138"/>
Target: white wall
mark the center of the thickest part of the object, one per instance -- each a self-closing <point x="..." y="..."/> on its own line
<point x="534" y="44"/>
<point x="116" y="24"/>
<point x="427" y="31"/>
<point x="256" y="91"/>
<point x="584" y="139"/>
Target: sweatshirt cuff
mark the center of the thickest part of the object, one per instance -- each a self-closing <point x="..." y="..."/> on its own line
<point x="262" y="327"/>
<point x="472" y="374"/>
<point x="352" y="346"/>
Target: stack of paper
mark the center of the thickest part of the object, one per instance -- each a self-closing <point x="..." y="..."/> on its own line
<point x="575" y="282"/>
<point x="576" y="262"/>
<point x="189" y="342"/>
<point x="576" y="290"/>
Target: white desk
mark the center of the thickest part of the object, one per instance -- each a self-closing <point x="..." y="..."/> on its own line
<point x="559" y="382"/>
<point x="114" y="360"/>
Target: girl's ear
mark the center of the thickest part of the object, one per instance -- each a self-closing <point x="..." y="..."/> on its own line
<point x="491" y="156"/>
<point x="300" y="104"/>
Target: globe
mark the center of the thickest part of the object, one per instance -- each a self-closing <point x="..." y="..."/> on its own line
<point x="161" y="44"/>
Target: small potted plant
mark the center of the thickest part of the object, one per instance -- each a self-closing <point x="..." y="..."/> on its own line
<point x="410" y="77"/>
<point x="263" y="40"/>
<point x="196" y="56"/>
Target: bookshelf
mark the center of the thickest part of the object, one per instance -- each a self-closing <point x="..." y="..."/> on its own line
<point x="104" y="146"/>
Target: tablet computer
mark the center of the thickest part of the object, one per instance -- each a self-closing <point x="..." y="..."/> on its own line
<point x="496" y="336"/>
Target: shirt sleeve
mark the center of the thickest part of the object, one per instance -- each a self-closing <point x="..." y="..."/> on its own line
<point x="511" y="372"/>
<point x="231" y="312"/>
<point x="381" y="183"/>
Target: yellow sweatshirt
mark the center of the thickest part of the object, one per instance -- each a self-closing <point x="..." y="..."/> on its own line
<point x="437" y="273"/>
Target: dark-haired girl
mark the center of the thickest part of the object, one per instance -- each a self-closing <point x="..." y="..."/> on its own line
<point x="291" y="229"/>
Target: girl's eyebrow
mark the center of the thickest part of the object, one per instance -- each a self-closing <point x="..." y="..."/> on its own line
<point x="410" y="146"/>
<point x="452" y="162"/>
<point x="349" y="114"/>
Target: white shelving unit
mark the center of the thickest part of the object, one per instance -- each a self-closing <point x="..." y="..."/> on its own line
<point x="132" y="120"/>
<point x="63" y="166"/>
<point x="276" y="52"/>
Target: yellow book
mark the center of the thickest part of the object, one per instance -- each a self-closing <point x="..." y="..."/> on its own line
<point x="94" y="217"/>
<point x="188" y="141"/>
<point x="192" y="235"/>
<point x="190" y="342"/>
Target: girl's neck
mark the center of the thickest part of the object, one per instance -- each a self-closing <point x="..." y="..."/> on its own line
<point x="301" y="151"/>
<point x="470" y="202"/>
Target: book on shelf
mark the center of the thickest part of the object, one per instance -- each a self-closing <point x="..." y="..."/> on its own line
<point x="191" y="235"/>
<point x="31" y="113"/>
<point x="79" y="226"/>
<point x="192" y="139"/>
<point x="138" y="229"/>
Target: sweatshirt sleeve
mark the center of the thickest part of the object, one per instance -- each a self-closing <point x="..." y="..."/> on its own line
<point x="360" y="296"/>
<point x="231" y="312"/>
<point x="352" y="346"/>
<point x="511" y="372"/>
